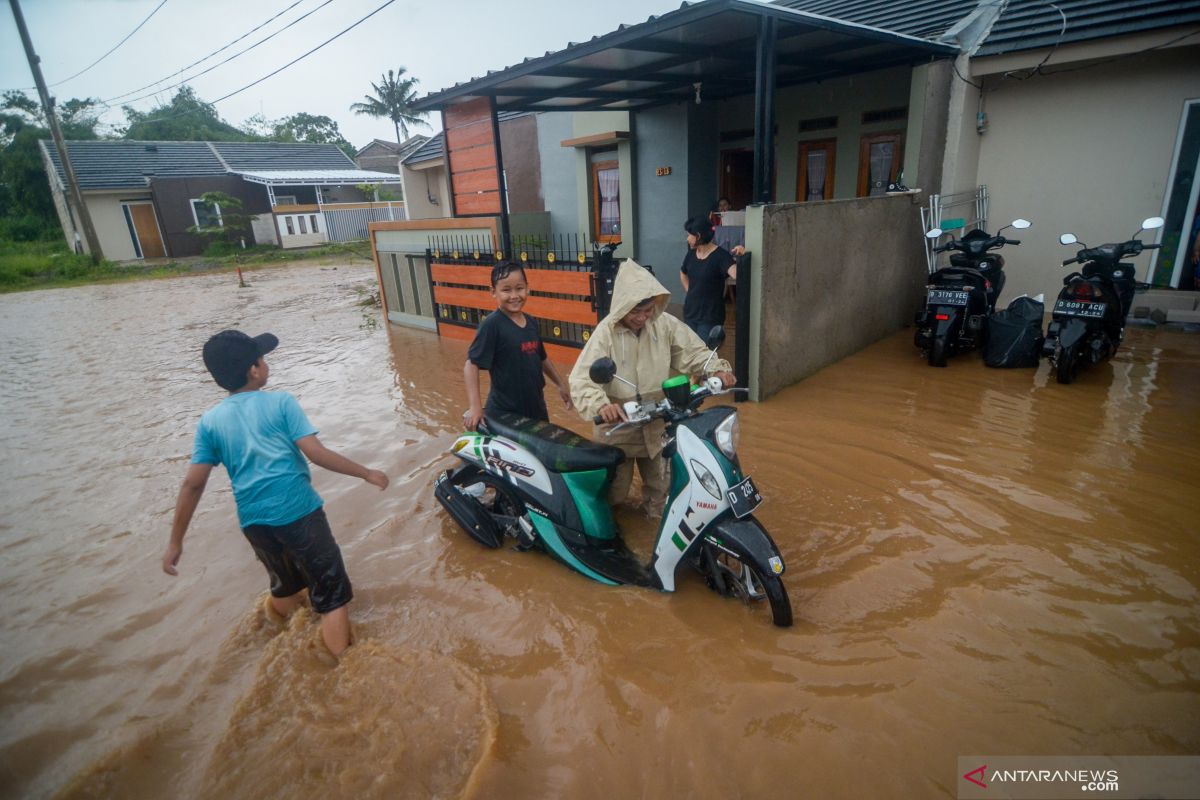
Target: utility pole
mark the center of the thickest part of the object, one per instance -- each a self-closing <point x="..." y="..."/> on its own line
<point x="89" y="231"/>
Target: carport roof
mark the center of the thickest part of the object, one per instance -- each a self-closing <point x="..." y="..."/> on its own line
<point x="711" y="43"/>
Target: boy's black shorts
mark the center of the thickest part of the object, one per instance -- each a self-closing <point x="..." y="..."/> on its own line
<point x="303" y="555"/>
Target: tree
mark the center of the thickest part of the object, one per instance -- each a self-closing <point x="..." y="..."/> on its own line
<point x="310" y="128"/>
<point x="394" y="95"/>
<point x="185" y="118"/>
<point x="26" y="204"/>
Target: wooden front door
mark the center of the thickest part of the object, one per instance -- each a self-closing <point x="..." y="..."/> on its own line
<point x="879" y="159"/>
<point x="147" y="238"/>
<point x="814" y="170"/>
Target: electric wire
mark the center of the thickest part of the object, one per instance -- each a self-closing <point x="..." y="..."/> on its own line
<point x="113" y="50"/>
<point x="338" y="35"/>
<point x="219" y="63"/>
<point x="207" y="57"/>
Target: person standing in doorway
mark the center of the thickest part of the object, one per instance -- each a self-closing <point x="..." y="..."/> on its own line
<point x="703" y="274"/>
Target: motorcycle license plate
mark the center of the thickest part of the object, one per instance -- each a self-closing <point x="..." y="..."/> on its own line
<point x="946" y="297"/>
<point x="744" y="498"/>
<point x="1080" y="308"/>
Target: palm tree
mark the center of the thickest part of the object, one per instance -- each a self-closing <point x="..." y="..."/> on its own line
<point x="394" y="94"/>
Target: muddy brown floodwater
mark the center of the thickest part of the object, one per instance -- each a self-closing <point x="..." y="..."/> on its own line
<point x="980" y="562"/>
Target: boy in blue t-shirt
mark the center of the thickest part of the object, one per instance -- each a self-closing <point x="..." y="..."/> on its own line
<point x="262" y="438"/>
<point x="508" y="347"/>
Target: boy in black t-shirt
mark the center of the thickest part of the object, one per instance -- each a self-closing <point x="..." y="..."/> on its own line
<point x="508" y="346"/>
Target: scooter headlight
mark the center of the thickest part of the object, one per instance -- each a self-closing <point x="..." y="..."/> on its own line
<point x="727" y="435"/>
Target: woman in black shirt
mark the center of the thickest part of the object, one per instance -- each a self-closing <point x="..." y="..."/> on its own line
<point x="703" y="274"/>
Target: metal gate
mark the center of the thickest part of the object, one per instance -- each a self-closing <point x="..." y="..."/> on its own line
<point x="562" y="286"/>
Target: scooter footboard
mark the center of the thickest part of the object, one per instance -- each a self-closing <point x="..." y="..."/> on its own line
<point x="749" y="537"/>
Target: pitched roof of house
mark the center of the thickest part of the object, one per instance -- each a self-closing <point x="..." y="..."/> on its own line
<point x="132" y="164"/>
<point x="434" y="148"/>
<point x="401" y="149"/>
<point x="928" y="19"/>
<point x="1030" y="24"/>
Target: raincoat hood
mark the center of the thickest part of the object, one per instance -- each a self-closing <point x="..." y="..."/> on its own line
<point x="633" y="285"/>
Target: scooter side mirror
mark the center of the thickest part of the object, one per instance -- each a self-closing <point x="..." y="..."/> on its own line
<point x="933" y="233"/>
<point x="1151" y="223"/>
<point x="602" y="370"/>
<point x="1067" y="238"/>
<point x="715" y="338"/>
<point x="1021" y="224"/>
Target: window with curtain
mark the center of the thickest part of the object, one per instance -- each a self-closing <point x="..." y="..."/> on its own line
<point x="879" y="162"/>
<point x="606" y="201"/>
<point x="815" y="167"/>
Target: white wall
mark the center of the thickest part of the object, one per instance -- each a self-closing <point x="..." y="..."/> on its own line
<point x="109" y="219"/>
<point x="1086" y="151"/>
<point x="421" y="184"/>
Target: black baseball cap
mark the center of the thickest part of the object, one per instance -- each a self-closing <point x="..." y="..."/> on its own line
<point x="229" y="355"/>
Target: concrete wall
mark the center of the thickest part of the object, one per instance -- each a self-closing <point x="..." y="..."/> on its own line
<point x="1086" y="151"/>
<point x="421" y="188"/>
<point x="662" y="135"/>
<point x="827" y="288"/>
<point x="109" y="219"/>
<point x="557" y="164"/>
<point x="522" y="170"/>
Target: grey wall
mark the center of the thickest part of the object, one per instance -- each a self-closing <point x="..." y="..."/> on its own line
<point x="660" y="137"/>
<point x="835" y="276"/>
<point x="558" y="171"/>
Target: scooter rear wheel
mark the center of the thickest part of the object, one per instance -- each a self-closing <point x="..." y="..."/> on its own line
<point x="735" y="575"/>
<point x="1066" y="366"/>
<point x="497" y="499"/>
<point x="937" y="352"/>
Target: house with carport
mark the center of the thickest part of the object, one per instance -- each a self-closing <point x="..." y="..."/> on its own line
<point x="145" y="196"/>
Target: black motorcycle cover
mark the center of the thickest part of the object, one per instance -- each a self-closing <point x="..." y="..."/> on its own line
<point x="1015" y="334"/>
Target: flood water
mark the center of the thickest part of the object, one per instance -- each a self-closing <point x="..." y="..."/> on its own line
<point x="980" y="562"/>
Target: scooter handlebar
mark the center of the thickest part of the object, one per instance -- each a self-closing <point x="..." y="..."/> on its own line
<point x="1151" y="246"/>
<point x="1011" y="241"/>
<point x="598" y="420"/>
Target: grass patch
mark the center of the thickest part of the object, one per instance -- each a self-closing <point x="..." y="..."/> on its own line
<point x="46" y="265"/>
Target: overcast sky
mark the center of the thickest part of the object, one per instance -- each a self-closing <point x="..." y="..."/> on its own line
<point x="440" y="42"/>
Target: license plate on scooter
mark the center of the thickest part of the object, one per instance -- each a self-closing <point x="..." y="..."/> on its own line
<point x="946" y="297"/>
<point x="744" y="498"/>
<point x="1080" y="308"/>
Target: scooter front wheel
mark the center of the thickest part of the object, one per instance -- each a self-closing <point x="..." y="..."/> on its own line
<point x="734" y="574"/>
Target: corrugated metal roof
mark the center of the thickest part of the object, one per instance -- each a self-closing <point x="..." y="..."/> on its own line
<point x="313" y="177"/>
<point x="1030" y="24"/>
<point x="658" y="61"/>
<point x="130" y="164"/>
<point x="928" y="19"/>
<point x="275" y="155"/>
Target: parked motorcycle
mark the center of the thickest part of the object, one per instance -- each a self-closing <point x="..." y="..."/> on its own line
<point x="546" y="487"/>
<point x="959" y="298"/>
<point x="1088" y="320"/>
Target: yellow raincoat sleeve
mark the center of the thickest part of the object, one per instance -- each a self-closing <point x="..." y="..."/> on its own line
<point x="587" y="396"/>
<point x="688" y="352"/>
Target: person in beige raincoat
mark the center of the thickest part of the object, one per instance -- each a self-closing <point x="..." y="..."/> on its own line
<point x="648" y="346"/>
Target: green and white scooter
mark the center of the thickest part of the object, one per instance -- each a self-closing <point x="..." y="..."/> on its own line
<point x="546" y="487"/>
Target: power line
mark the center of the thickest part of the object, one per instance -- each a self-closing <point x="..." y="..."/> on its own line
<point x="338" y="35"/>
<point x="264" y="40"/>
<point x="207" y="57"/>
<point x="238" y="54"/>
<point x="113" y="50"/>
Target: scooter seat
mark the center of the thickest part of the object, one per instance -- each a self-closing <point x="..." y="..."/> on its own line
<point x="559" y="449"/>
